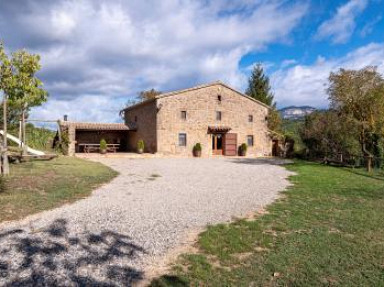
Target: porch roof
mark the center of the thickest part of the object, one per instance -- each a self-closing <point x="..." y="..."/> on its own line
<point x="218" y="129"/>
<point x="84" y="126"/>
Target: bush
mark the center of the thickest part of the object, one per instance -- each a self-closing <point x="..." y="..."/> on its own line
<point x="140" y="145"/>
<point x="103" y="144"/>
<point x="244" y="147"/>
<point x="197" y="147"/>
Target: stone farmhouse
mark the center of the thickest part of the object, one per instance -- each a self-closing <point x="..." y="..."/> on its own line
<point x="214" y="115"/>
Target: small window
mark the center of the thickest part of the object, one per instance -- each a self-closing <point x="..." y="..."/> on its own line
<point x="250" y="140"/>
<point x="182" y="139"/>
<point x="250" y="118"/>
<point x="135" y="118"/>
<point x="219" y="98"/>
<point x="183" y="115"/>
<point x="218" y="116"/>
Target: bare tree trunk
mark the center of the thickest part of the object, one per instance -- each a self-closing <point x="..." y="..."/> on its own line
<point x="20" y="134"/>
<point x="366" y="153"/>
<point x="369" y="163"/>
<point x="23" y="132"/>
<point x="4" y="154"/>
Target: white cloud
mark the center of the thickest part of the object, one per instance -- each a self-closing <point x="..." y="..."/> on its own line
<point x="368" y="28"/>
<point x="306" y="84"/>
<point x="288" y="62"/>
<point x="342" y="25"/>
<point x="93" y="50"/>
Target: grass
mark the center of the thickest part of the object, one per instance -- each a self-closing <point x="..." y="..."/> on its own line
<point x="327" y="230"/>
<point x="40" y="185"/>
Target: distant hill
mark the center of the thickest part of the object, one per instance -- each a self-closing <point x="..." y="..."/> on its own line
<point x="294" y="113"/>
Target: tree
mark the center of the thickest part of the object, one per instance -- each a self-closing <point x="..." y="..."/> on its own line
<point x="7" y="85"/>
<point x="359" y="96"/>
<point x="259" y="87"/>
<point x="20" y="88"/>
<point x="274" y="120"/>
<point x="28" y="91"/>
<point x="143" y="96"/>
<point x="148" y="94"/>
<point x="327" y="134"/>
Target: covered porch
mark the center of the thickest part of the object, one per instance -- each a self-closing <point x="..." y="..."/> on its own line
<point x="85" y="137"/>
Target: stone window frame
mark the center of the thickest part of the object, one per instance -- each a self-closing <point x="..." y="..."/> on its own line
<point x="250" y="118"/>
<point x="135" y="119"/>
<point x="183" y="115"/>
<point x="219" y="115"/>
<point x="182" y="142"/>
<point x="250" y="140"/>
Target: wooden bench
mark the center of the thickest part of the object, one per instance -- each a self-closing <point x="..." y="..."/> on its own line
<point x="87" y="148"/>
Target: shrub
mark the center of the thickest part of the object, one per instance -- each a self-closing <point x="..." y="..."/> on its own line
<point x="197" y="147"/>
<point x="244" y="147"/>
<point x="140" y="145"/>
<point x="103" y="144"/>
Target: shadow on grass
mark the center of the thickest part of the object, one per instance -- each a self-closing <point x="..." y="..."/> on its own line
<point x="55" y="257"/>
<point x="262" y="161"/>
<point x="364" y="173"/>
<point x="169" y="281"/>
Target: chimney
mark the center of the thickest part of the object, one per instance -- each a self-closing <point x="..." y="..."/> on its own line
<point x="65" y="118"/>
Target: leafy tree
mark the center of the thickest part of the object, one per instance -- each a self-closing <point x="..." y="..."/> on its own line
<point x="359" y="96"/>
<point x="274" y="120"/>
<point x="143" y="96"/>
<point x="28" y="91"/>
<point x="21" y="88"/>
<point x="259" y="87"/>
<point x="13" y="117"/>
<point x="326" y="133"/>
<point x="148" y="94"/>
<point x="7" y="85"/>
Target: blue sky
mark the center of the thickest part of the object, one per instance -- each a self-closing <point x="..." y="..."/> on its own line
<point x="96" y="54"/>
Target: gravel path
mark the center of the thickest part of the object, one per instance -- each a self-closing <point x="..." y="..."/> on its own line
<point x="108" y="238"/>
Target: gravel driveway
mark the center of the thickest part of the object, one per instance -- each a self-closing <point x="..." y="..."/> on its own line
<point x="110" y="237"/>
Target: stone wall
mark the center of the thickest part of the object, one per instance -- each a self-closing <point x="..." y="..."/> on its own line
<point x="144" y="118"/>
<point x="201" y="106"/>
<point x="68" y="129"/>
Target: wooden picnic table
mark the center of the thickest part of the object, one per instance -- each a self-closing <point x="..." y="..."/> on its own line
<point x="89" y="147"/>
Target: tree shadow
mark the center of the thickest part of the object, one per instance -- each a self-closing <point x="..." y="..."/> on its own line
<point x="261" y="161"/>
<point x="364" y="173"/>
<point x="169" y="280"/>
<point x="55" y="257"/>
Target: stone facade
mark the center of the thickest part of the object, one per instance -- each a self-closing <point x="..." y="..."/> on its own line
<point x="161" y="120"/>
<point x="143" y="116"/>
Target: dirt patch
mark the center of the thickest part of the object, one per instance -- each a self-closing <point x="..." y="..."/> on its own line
<point x="164" y="264"/>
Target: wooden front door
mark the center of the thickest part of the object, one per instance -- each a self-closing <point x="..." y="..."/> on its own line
<point x="217" y="144"/>
<point x="230" y="144"/>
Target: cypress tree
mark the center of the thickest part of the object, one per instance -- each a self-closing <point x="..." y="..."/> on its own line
<point x="259" y="87"/>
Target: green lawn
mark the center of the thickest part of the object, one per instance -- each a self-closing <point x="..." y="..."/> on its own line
<point x="327" y="230"/>
<point x="40" y="185"/>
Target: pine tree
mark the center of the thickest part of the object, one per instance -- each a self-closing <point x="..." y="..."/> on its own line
<point x="259" y="87"/>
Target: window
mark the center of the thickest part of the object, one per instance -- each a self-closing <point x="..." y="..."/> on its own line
<point x="183" y="115"/>
<point x="182" y="139"/>
<point x="250" y="140"/>
<point x="135" y="118"/>
<point x="250" y="118"/>
<point x="219" y="98"/>
<point x="218" y="116"/>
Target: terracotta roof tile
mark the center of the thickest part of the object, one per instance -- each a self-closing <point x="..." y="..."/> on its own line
<point x="99" y="126"/>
